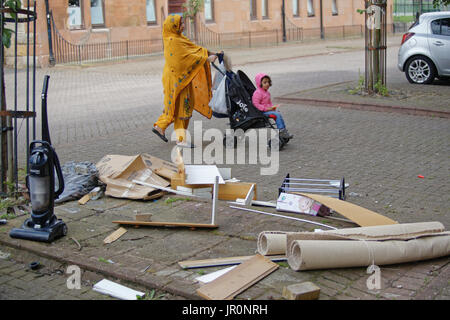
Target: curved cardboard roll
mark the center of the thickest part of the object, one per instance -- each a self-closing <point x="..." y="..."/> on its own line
<point x="271" y="243"/>
<point x="276" y="242"/>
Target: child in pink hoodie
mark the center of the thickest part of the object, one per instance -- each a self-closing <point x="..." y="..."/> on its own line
<point x="261" y="99"/>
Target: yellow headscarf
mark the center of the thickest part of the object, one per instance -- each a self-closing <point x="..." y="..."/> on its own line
<point x="183" y="61"/>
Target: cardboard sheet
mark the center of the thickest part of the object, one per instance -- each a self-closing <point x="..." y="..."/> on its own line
<point x="118" y="172"/>
<point x="362" y="216"/>
<point x="161" y="167"/>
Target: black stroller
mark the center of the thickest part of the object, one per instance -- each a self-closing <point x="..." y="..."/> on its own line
<point x="242" y="113"/>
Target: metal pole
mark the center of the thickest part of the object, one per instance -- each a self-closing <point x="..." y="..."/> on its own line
<point x="283" y="14"/>
<point x="49" y="33"/>
<point x="10" y="153"/>
<point x="214" y="200"/>
<point x="322" y="36"/>
<point x="34" y="72"/>
<point x="281" y="216"/>
<point x="4" y="142"/>
<point x="28" y="81"/>
<point x="16" y="164"/>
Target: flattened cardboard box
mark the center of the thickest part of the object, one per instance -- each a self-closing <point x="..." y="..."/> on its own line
<point x="362" y="216"/>
<point x="118" y="172"/>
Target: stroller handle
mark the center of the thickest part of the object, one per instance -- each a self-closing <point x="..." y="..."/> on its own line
<point x="217" y="68"/>
<point x="220" y="55"/>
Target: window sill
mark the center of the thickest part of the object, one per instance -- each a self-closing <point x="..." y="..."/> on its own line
<point x="100" y="29"/>
<point x="77" y="29"/>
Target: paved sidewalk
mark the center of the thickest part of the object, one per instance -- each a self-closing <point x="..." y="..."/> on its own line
<point x="427" y="100"/>
<point x="380" y="154"/>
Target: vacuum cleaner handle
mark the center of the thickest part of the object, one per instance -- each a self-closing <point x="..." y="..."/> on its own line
<point x="59" y="174"/>
<point x="45" y="128"/>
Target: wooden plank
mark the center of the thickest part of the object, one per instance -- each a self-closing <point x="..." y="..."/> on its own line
<point x="167" y="224"/>
<point x="190" y="264"/>
<point x="115" y="235"/>
<point x="238" y="280"/>
<point x="84" y="199"/>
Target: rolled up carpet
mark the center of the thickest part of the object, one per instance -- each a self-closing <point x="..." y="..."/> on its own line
<point x="276" y="242"/>
<point x="271" y="243"/>
<point x="330" y="254"/>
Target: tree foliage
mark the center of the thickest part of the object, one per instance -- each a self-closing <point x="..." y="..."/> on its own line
<point x="14" y="5"/>
<point x="438" y="3"/>
<point x="193" y="7"/>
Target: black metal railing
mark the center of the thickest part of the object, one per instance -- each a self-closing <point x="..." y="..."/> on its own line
<point x="410" y="8"/>
<point x="66" y="52"/>
<point x="18" y="106"/>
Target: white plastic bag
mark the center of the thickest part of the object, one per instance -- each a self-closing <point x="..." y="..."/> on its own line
<point x="219" y="76"/>
<point x="218" y="102"/>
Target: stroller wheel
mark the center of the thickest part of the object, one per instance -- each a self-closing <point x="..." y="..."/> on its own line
<point x="230" y="141"/>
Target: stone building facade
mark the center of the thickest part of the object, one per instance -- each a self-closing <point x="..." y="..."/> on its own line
<point x="105" y="21"/>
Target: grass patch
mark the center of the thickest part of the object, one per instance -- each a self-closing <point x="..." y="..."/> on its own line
<point x="283" y="264"/>
<point x="104" y="260"/>
<point x="404" y="19"/>
<point x="151" y="296"/>
<point x="173" y="200"/>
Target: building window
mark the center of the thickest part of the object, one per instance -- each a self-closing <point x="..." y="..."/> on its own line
<point x="97" y="17"/>
<point x="310" y="8"/>
<point x="264" y="10"/>
<point x="334" y="8"/>
<point x="295" y="8"/>
<point x="75" y="12"/>
<point x="150" y="10"/>
<point x="209" y="10"/>
<point x="253" y="12"/>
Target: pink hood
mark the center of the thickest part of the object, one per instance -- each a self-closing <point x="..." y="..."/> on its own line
<point x="261" y="98"/>
<point x="258" y="79"/>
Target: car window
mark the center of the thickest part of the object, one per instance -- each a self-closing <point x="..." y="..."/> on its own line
<point x="436" y="26"/>
<point x="445" y="27"/>
<point x="441" y="26"/>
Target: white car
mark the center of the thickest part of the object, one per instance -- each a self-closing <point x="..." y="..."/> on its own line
<point x="425" y="50"/>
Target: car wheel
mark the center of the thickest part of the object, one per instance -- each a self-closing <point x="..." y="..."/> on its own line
<point x="420" y="70"/>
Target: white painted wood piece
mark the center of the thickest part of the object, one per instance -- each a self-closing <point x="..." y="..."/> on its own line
<point x="116" y="290"/>
<point x="202" y="174"/>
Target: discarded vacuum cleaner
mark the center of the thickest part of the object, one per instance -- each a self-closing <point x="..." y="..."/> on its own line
<point x="43" y="162"/>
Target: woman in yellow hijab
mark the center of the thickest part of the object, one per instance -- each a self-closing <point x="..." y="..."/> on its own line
<point x="186" y="80"/>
